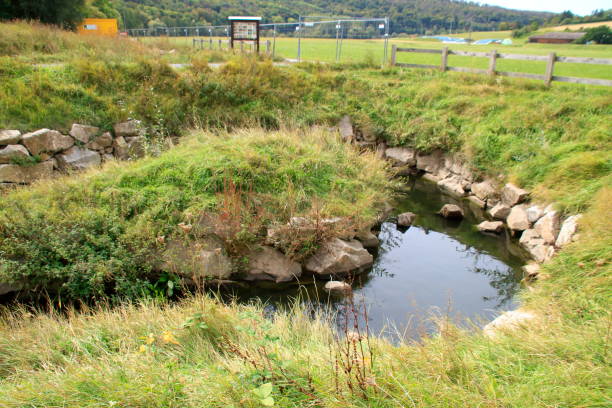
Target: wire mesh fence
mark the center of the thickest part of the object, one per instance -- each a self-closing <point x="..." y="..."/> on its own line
<point x="311" y="38"/>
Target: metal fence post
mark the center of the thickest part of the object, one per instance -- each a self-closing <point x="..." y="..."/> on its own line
<point x="274" y="42"/>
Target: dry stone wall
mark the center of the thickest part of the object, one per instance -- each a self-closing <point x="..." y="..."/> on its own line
<point x="25" y="158"/>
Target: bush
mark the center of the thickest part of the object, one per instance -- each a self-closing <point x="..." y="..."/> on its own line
<point x="599" y="35"/>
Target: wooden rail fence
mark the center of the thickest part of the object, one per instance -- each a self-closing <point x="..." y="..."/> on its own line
<point x="493" y="56"/>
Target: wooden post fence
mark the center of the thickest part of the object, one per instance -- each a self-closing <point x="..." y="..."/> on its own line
<point x="548" y="77"/>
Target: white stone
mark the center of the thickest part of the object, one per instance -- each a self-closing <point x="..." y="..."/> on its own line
<point x="568" y="231"/>
<point x="131" y="128"/>
<point x="500" y="211"/>
<point x="534" y="213"/>
<point x="401" y="156"/>
<point x="548" y="226"/>
<point x="484" y="190"/>
<point x="11" y="173"/>
<point x="83" y="133"/>
<point x="78" y="158"/>
<point x="451" y="211"/>
<point x="405" y="219"/>
<point x="338" y="257"/>
<point x="8" y="137"/>
<point x="512" y="195"/>
<point x="47" y="141"/>
<point x="338" y="287"/>
<point x="508" y="321"/>
<point x="266" y="263"/>
<point x="13" y="152"/>
<point x="452" y="185"/>
<point x="491" y="226"/>
<point x="345" y="127"/>
<point x="517" y="219"/>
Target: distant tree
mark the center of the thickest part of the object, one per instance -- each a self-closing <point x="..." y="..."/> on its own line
<point x="600" y="35"/>
<point x="64" y="13"/>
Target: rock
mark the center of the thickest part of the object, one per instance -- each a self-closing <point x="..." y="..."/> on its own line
<point x="131" y="128"/>
<point x="107" y="157"/>
<point x="338" y="257"/>
<point x="484" y="190"/>
<point x="9" y="287"/>
<point x="121" y="148"/>
<point x="477" y="202"/>
<point x="452" y="185"/>
<point x="45" y="140"/>
<point x="13" y="152"/>
<point x="451" y="211"/>
<point x="197" y="260"/>
<point x="401" y="156"/>
<point x="531" y="270"/>
<point x="101" y="142"/>
<point x="517" y="219"/>
<point x="136" y="147"/>
<point x="431" y="163"/>
<point x="511" y="195"/>
<point x="457" y="167"/>
<point x="405" y="219"/>
<point x="500" y="212"/>
<point x="430" y="177"/>
<point x="568" y="231"/>
<point x="508" y="321"/>
<point x="534" y="213"/>
<point x="548" y="226"/>
<point x="266" y="263"/>
<point x="381" y="149"/>
<point x="83" y="133"/>
<point x="491" y="226"/>
<point x="345" y="127"/>
<point x="78" y="158"/>
<point x="536" y="246"/>
<point x="12" y="173"/>
<point x="367" y="239"/>
<point x="8" y="137"/>
<point x="338" y="287"/>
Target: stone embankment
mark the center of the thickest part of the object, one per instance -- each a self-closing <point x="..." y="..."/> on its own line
<point x="25" y="158"/>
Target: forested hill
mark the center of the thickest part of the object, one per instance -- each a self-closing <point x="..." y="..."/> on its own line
<point x="407" y="16"/>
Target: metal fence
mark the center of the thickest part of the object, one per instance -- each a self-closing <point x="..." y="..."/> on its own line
<point x="311" y="38"/>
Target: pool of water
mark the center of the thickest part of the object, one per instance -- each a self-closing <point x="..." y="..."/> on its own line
<point x="436" y="267"/>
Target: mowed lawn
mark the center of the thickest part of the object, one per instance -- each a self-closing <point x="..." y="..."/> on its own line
<point x="361" y="50"/>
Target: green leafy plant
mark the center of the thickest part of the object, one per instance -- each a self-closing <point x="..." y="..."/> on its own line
<point x="264" y="394"/>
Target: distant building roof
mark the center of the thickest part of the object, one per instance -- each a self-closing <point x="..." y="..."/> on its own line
<point x="559" y="36"/>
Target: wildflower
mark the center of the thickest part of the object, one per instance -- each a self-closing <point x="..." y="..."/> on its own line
<point x="142" y="349"/>
<point x="168" y="338"/>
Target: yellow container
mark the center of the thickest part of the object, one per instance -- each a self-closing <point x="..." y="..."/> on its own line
<point x="99" y="26"/>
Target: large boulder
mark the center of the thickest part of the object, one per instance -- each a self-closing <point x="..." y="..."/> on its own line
<point x="452" y="185"/>
<point x="78" y="158"/>
<point x="8" y="137"/>
<point x="338" y="257"/>
<point x="401" y="156"/>
<point x="102" y="142"/>
<point x="13" y="152"/>
<point x="9" y="287"/>
<point x="537" y="247"/>
<point x="508" y="321"/>
<point x="500" y="211"/>
<point x="477" y="202"/>
<point x="491" y="226"/>
<point x="367" y="239"/>
<point x="47" y="141"/>
<point x="406" y="219"/>
<point x="548" y="226"/>
<point x="12" y="173"/>
<point x="266" y="263"/>
<point x="568" y="231"/>
<point x="83" y="133"/>
<point x="136" y="146"/>
<point x="457" y="166"/>
<point x="121" y="148"/>
<point x="517" y="219"/>
<point x="345" y="126"/>
<point x="484" y="190"/>
<point x="131" y="128"/>
<point x="197" y="260"/>
<point x="451" y="211"/>
<point x="511" y="195"/>
<point x="534" y="213"/>
<point x="431" y="163"/>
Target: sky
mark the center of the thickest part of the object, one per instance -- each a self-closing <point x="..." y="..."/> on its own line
<point x="581" y="7"/>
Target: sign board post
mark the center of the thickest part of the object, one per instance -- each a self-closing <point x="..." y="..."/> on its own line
<point x="244" y="29"/>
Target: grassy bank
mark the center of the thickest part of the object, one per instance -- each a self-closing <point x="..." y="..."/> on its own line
<point x="200" y="353"/>
<point x="96" y="234"/>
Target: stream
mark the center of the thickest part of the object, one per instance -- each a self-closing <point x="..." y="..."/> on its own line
<point x="436" y="268"/>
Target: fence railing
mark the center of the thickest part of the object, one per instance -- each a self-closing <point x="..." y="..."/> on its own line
<point x="493" y="56"/>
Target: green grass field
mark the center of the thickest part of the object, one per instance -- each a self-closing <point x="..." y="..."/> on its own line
<point x="360" y="50"/>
